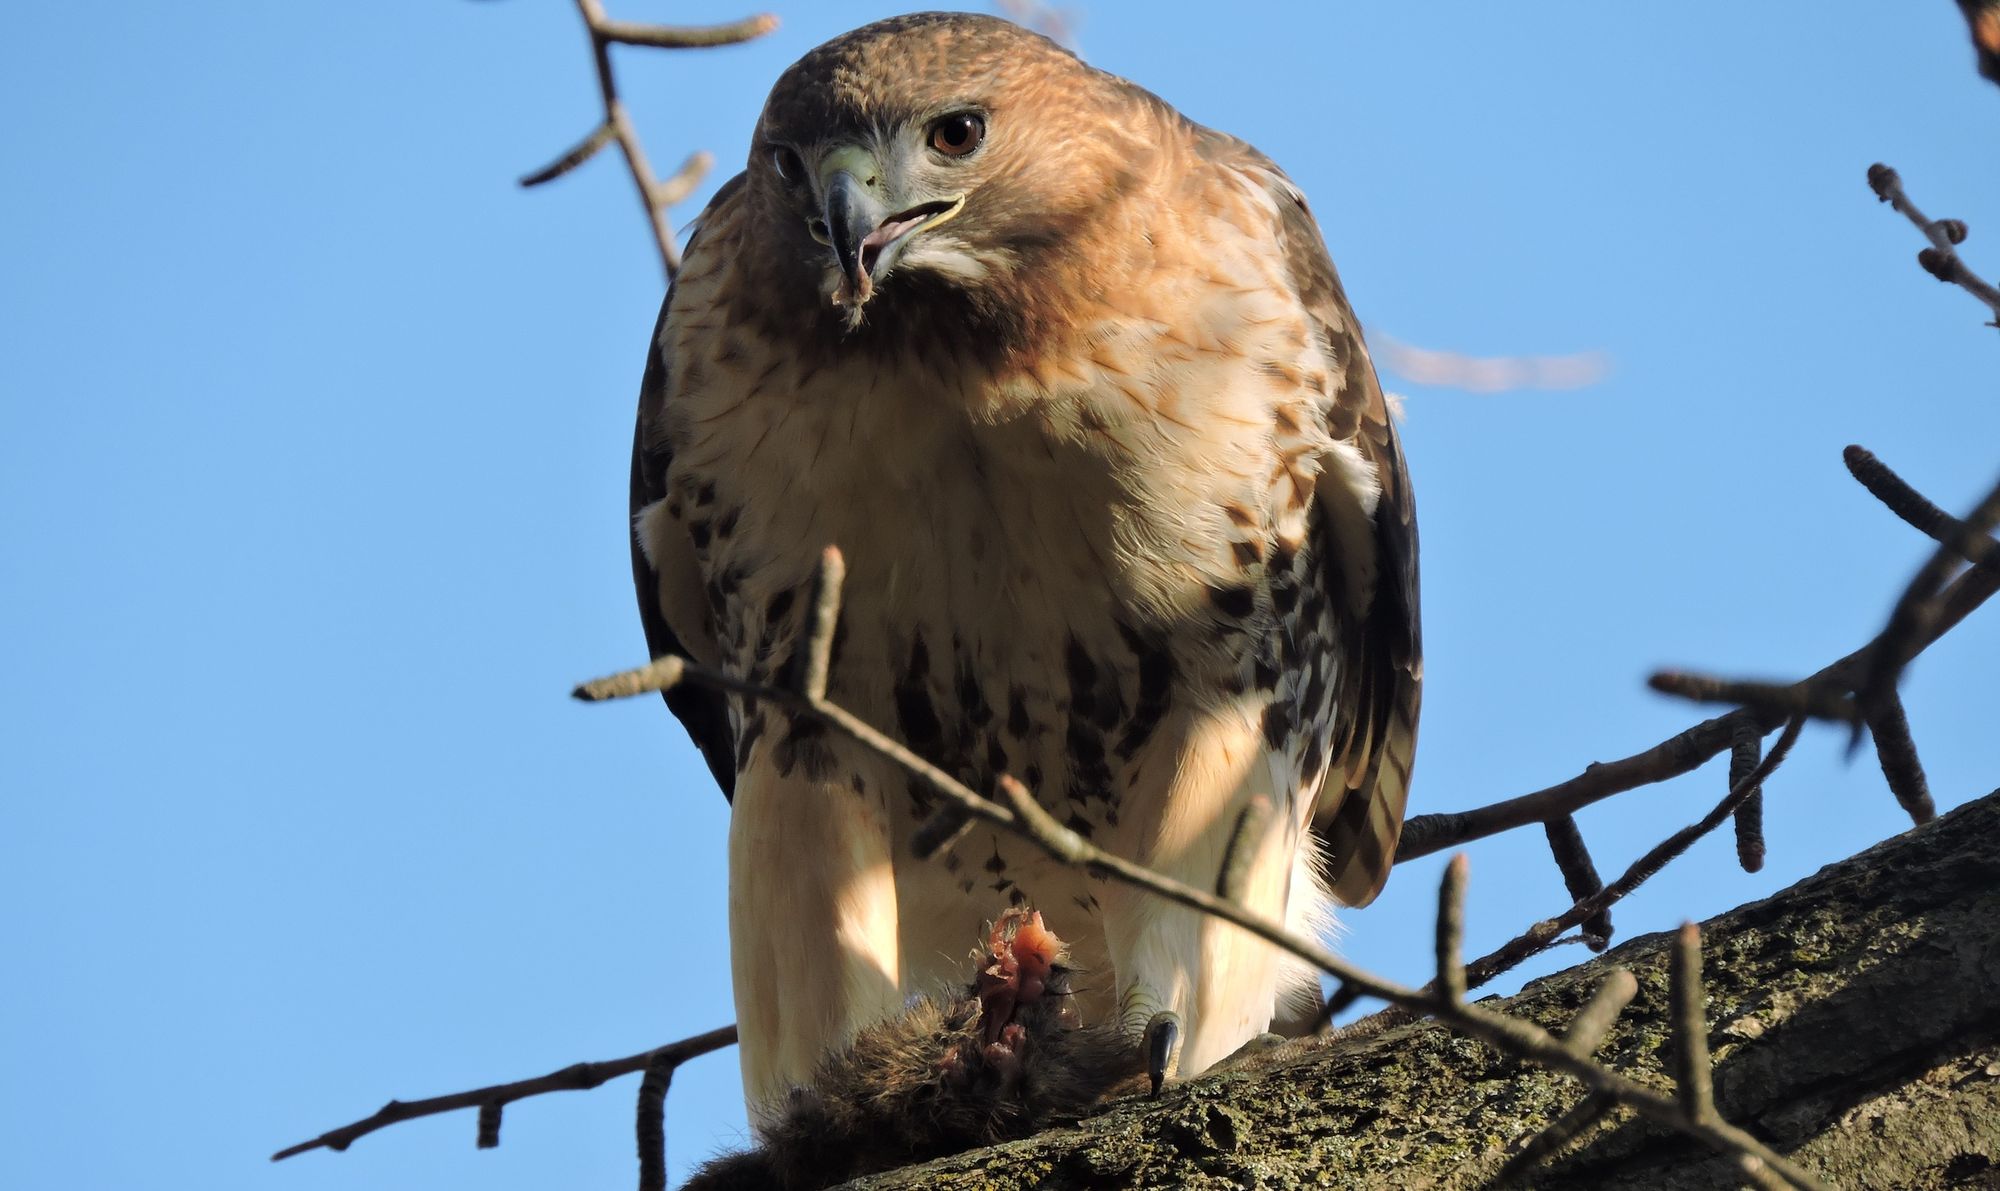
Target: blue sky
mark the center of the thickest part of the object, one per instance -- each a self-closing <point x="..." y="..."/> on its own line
<point x="313" y="441"/>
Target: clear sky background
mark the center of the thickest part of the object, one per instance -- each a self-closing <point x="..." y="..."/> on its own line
<point x="313" y="437"/>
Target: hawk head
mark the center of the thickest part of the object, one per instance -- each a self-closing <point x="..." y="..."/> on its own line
<point x="957" y="154"/>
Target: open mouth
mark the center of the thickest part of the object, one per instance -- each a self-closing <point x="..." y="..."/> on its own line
<point x="901" y="224"/>
<point x="878" y="248"/>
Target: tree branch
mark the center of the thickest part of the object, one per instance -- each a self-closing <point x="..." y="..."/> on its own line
<point x="655" y="195"/>
<point x="489" y="1100"/>
<point x="1940" y="260"/>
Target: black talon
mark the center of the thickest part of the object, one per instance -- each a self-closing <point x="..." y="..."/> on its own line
<point x="1163" y="1048"/>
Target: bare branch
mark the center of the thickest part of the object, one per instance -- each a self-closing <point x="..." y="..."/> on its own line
<point x="1543" y="935"/>
<point x="683" y="180"/>
<point x="655" y="195"/>
<point x="1450" y="983"/>
<point x="1587" y="1030"/>
<point x="652" y="1124"/>
<point x="1898" y="754"/>
<point x="1691" y="1061"/>
<point x="683" y="37"/>
<point x="579" y="153"/>
<point x="1923" y="608"/>
<point x="1941" y="259"/>
<point x="573" y="1078"/>
<point x="1781" y="698"/>
<point x="1909" y="504"/>
<point x="1579" y="874"/>
<point x="1745" y="751"/>
<point x="1563" y="1130"/>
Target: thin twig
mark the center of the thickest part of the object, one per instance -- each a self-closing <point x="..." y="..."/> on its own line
<point x="1579" y="874"/>
<point x="573" y="1078"/>
<point x="1941" y="259"/>
<point x="652" y="1124"/>
<point x="1450" y="981"/>
<point x="1543" y="935"/>
<point x="1916" y="510"/>
<point x="1923" y="606"/>
<point x="655" y="195"/>
<point x="1782" y="698"/>
<point x="576" y="155"/>
<point x="1585" y="1034"/>
<point x="1745" y="751"/>
<point x="1563" y="1130"/>
<point x="1590" y="1025"/>
<point x="1897" y="752"/>
<point x="1690" y="1026"/>
<point x="683" y="37"/>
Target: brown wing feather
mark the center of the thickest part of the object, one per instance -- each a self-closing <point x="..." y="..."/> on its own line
<point x="704" y="713"/>
<point x="1372" y="575"/>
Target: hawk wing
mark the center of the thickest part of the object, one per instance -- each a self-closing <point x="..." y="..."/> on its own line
<point x="1371" y="574"/>
<point x="672" y="604"/>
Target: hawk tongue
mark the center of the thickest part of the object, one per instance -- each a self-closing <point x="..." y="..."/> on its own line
<point x="874" y="242"/>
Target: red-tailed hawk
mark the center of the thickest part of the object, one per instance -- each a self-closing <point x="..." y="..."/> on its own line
<point x="1071" y="381"/>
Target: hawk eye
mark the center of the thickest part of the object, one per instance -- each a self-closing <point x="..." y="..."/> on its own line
<point x="958" y="134"/>
<point x="788" y="165"/>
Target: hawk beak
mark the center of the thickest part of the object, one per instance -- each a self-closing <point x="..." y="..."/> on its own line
<point x="853" y="213"/>
<point x="865" y="234"/>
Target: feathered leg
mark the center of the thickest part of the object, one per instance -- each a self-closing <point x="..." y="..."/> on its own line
<point x="812" y="927"/>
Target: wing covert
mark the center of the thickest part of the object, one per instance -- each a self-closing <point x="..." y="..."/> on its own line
<point x="672" y="604"/>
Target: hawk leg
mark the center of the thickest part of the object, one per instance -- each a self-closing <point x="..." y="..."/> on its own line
<point x="812" y="927"/>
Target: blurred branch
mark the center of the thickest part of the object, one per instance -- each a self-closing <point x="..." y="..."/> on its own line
<point x="655" y="194"/>
<point x="1057" y="23"/>
<point x="1487" y="374"/>
<point x="1941" y="259"/>
<point x="490" y="1100"/>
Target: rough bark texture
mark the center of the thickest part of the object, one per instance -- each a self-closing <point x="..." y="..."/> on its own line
<point x="1855" y="1022"/>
